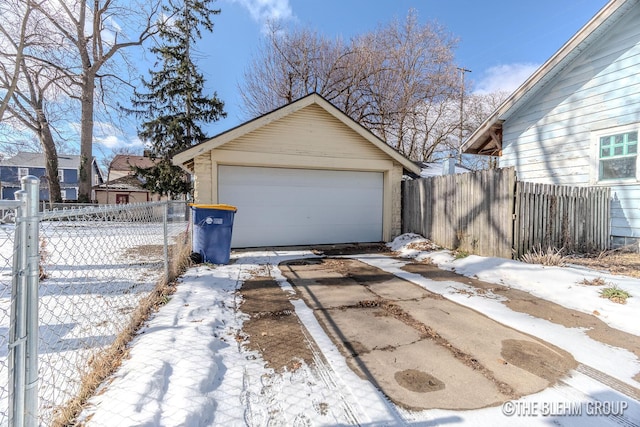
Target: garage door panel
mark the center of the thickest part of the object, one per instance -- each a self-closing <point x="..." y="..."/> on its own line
<point x="299" y="206"/>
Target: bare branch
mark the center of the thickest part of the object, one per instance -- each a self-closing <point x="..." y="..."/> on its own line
<point x="19" y="49"/>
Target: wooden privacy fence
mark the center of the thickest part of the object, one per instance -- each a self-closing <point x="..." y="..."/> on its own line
<point x="470" y="212"/>
<point x="490" y="213"/>
<point x="574" y="218"/>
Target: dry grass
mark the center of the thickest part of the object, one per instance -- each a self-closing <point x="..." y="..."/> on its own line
<point x="105" y="363"/>
<point x="425" y="245"/>
<point x="598" y="281"/>
<point x="550" y="256"/>
<point x="614" y="262"/>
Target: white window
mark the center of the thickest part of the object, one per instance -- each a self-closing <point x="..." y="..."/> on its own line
<point x="22" y="172"/>
<point x="61" y="175"/>
<point x="617" y="155"/>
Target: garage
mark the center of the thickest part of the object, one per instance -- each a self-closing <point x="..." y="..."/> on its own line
<point x="278" y="206"/>
<point x="303" y="174"/>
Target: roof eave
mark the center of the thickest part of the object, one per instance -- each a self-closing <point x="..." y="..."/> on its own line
<point x="545" y="72"/>
<point x="185" y="158"/>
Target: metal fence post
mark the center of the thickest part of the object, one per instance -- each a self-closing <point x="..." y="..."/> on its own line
<point x="31" y="185"/>
<point x="165" y="219"/>
<point x="17" y="328"/>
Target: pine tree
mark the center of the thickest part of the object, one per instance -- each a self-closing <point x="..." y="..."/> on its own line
<point x="175" y="106"/>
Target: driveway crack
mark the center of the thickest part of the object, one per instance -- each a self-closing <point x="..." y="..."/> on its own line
<point x="427" y="332"/>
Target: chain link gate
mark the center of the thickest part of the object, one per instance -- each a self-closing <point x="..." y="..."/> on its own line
<point x="77" y="277"/>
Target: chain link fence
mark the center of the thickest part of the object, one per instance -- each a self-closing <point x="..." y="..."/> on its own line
<point x="95" y="266"/>
<point x="7" y="256"/>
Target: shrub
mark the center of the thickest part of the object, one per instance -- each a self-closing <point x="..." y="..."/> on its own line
<point x="460" y="254"/>
<point x="615" y="294"/>
<point x="598" y="281"/>
<point x="551" y="256"/>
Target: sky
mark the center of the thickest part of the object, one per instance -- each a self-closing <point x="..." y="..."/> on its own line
<point x="501" y="41"/>
<point x="219" y="381"/>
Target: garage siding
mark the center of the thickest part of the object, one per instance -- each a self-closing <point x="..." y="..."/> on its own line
<point x="203" y="183"/>
<point x="308" y="132"/>
<point x="396" y="201"/>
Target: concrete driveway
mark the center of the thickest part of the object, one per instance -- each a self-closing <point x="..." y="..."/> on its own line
<point x="420" y="349"/>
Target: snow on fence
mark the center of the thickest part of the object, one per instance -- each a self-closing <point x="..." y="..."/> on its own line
<point x="95" y="265"/>
<point x="490" y="213"/>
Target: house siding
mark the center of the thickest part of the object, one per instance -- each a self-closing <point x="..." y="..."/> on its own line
<point x="70" y="176"/>
<point x="8" y="193"/>
<point x="8" y="174"/>
<point x="550" y="139"/>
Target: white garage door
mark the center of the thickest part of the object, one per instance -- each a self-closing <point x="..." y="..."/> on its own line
<point x="279" y="207"/>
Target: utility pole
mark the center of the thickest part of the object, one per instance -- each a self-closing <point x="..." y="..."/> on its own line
<point x="462" y="71"/>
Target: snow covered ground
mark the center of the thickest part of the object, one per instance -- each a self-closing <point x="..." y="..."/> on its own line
<point x="188" y="369"/>
<point x="96" y="275"/>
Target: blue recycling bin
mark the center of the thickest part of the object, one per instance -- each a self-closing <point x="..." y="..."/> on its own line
<point x="211" y="236"/>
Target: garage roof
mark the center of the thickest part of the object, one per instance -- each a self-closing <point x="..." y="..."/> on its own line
<point x="184" y="157"/>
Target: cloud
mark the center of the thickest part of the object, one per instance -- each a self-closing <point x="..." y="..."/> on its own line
<point x="505" y="77"/>
<point x="263" y="11"/>
<point x="112" y="137"/>
<point x="113" y="142"/>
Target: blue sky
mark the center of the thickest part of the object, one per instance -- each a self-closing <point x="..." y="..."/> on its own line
<point x="501" y="41"/>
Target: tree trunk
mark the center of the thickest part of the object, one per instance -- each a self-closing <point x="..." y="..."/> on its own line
<point x="51" y="157"/>
<point x="51" y="161"/>
<point x="86" y="139"/>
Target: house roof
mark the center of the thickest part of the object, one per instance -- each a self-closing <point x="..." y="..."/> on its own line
<point x="187" y="155"/>
<point x="128" y="183"/>
<point x="487" y="138"/>
<point x="124" y="162"/>
<point x="37" y="160"/>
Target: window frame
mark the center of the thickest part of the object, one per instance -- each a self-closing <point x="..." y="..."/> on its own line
<point x="597" y="154"/>
<point x="61" y="175"/>
<point x="22" y="172"/>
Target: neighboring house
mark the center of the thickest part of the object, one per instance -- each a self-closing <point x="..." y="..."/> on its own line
<point x="126" y="189"/>
<point x="123" y="185"/>
<point x="22" y="164"/>
<point x="302" y="174"/>
<point x="123" y="165"/>
<point x="576" y="120"/>
<point x="446" y="167"/>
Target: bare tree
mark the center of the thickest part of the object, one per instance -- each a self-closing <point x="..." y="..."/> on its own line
<point x="15" y="15"/>
<point x="29" y="107"/>
<point x="397" y="81"/>
<point x="477" y="108"/>
<point x="67" y="50"/>
<point x="29" y="83"/>
<point x="94" y="33"/>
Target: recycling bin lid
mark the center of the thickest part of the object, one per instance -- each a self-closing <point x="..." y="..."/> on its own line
<point x="222" y="207"/>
